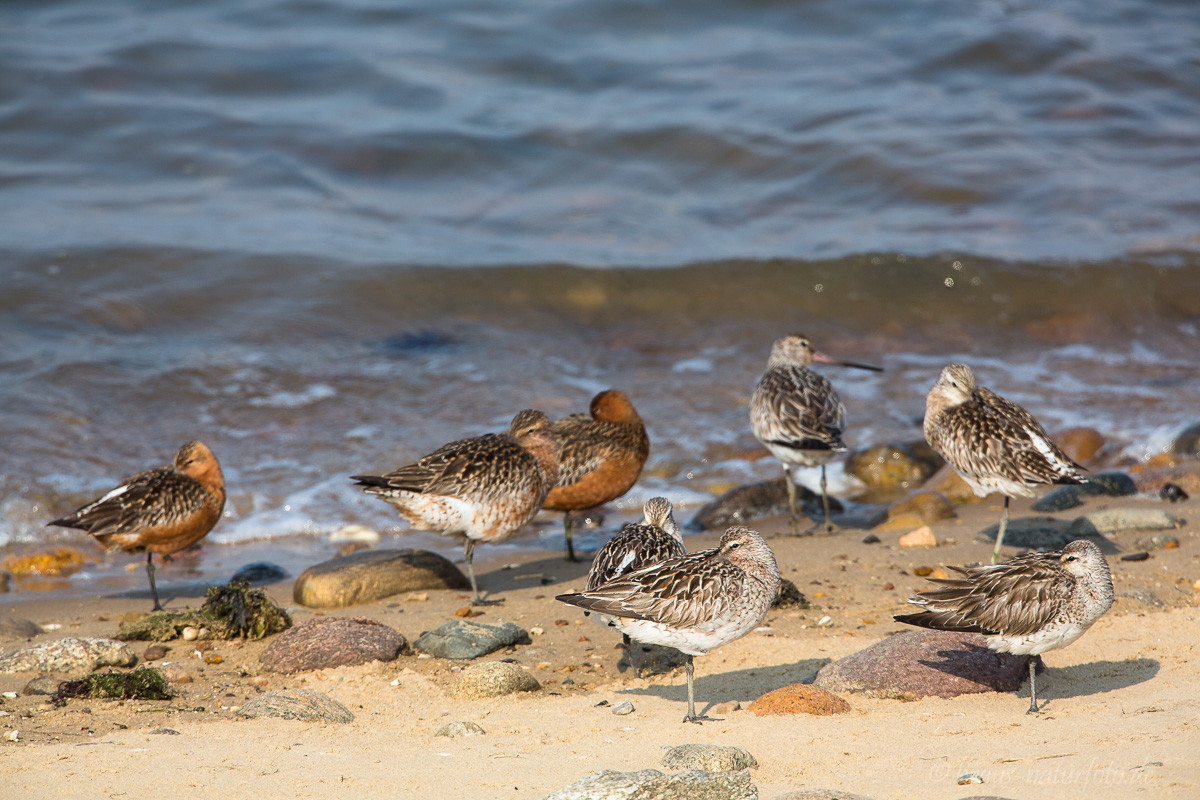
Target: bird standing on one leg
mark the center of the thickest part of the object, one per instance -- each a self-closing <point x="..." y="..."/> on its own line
<point x="1027" y="605"/>
<point x="695" y="603"/>
<point x="482" y="489"/>
<point x="797" y="415"/>
<point x="162" y="510"/>
<point x="994" y="444"/>
<point x="600" y="457"/>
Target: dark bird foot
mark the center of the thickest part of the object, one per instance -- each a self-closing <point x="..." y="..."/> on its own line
<point x="701" y="719"/>
<point x="479" y="601"/>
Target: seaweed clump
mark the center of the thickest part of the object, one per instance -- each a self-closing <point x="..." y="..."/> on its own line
<point x="145" y="683"/>
<point x="231" y="610"/>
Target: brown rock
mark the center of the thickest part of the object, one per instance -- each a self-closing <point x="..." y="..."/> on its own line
<point x="925" y="663"/>
<point x="921" y="537"/>
<point x="155" y="652"/>
<point x="800" y="698"/>
<point x="374" y="574"/>
<point x="929" y="507"/>
<point x="176" y="674"/>
<point x="1185" y="475"/>
<point x="54" y="563"/>
<point x="893" y="467"/>
<point x="1081" y="444"/>
<point x="324" y="642"/>
<point x="949" y="483"/>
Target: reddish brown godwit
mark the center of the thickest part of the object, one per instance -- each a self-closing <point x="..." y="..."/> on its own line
<point x="1027" y="605"/>
<point x="694" y="603"/>
<point x="482" y="489"/>
<point x="994" y="444"/>
<point x="796" y="413"/>
<point x="161" y="510"/>
<point x="600" y="457"/>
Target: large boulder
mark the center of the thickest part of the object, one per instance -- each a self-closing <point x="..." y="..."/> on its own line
<point x="925" y="663"/>
<point x="324" y="642"/>
<point x="374" y="574"/>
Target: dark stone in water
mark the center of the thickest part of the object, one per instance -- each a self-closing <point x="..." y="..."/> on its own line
<point x="1106" y="484"/>
<point x="753" y="501"/>
<point x="260" y="572"/>
<point x="414" y="342"/>
<point x="925" y="663"/>
<point x="1173" y="493"/>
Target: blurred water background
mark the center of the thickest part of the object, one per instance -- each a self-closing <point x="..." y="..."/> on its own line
<point x="327" y="237"/>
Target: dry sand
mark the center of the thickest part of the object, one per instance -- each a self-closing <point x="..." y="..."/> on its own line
<point x="1122" y="715"/>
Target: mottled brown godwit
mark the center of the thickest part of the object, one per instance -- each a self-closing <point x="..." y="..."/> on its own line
<point x="162" y="510"/>
<point x="1027" y="605"/>
<point x="796" y="413"/>
<point x="482" y="489"/>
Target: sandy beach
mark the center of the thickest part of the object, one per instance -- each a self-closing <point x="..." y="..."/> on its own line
<point x="1120" y="717"/>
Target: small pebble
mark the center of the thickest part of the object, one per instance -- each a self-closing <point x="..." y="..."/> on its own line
<point x="889" y="586"/>
<point x="870" y="538"/>
<point x="601" y="704"/>
<point x="466" y="612"/>
<point x="10" y="695"/>
<point x="623" y="709"/>
<point x="190" y="634"/>
<point x="965" y="780"/>
<point x="458" y="729"/>
<point x="154" y="652"/>
<point x="1196" y="586"/>
<point x="535" y="631"/>
<point x="1173" y="493"/>
<point x="922" y="572"/>
<point x="1135" y="557"/>
<point x="167" y="731"/>
<point x="825" y="622"/>
<point x="12" y="736"/>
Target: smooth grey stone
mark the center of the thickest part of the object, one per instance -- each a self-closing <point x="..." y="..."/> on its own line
<point x="651" y="784"/>
<point x="708" y="757"/>
<point x="1038" y="533"/>
<point x="1117" y="520"/>
<point x="464" y="639"/>
<point x="302" y="704"/>
<point x="70" y="655"/>
<point x="460" y="728"/>
<point x="621" y="709"/>
<point x="1158" y="541"/>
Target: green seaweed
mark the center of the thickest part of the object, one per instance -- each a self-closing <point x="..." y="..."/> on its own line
<point x="144" y="683"/>
<point x="231" y="610"/>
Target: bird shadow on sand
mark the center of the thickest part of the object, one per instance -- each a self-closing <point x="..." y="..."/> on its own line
<point x="1095" y="677"/>
<point x="723" y="687"/>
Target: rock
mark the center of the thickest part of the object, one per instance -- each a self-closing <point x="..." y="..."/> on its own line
<point x="651" y="784"/>
<point x="893" y="467"/>
<point x="623" y="709"/>
<point x="1039" y="533"/>
<point x="789" y="596"/>
<point x="302" y="704"/>
<point x="359" y="534"/>
<point x="492" y="679"/>
<point x="155" y="652"/>
<point x="900" y="522"/>
<point x="821" y="794"/>
<point x="949" y="483"/>
<point x="42" y="684"/>
<point x="1143" y="556"/>
<point x="871" y="538"/>
<point x="175" y="674"/>
<point x="650" y="659"/>
<point x="53" y="563"/>
<point x="929" y="507"/>
<point x="1187" y="443"/>
<point x="708" y="758"/>
<point x="767" y="499"/>
<point x="455" y="730"/>
<point x="69" y="655"/>
<point x="925" y="663"/>
<point x="463" y="638"/>
<point x="1159" y="541"/>
<point x="374" y="574"/>
<point x="1080" y="444"/>
<point x="1117" y="520"/>
<point x="165" y="731"/>
<point x="800" y="698"/>
<point x="1143" y="596"/>
<point x="921" y="537"/>
<point x="1105" y="484"/>
<point x="1186" y="476"/>
<point x="324" y="642"/>
<point x="1172" y="493"/>
<point x="260" y="572"/>
<point x="17" y="628"/>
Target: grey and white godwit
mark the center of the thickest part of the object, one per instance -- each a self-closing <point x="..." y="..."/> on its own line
<point x="694" y="603"/>
<point x="1027" y="605"/>
<point x="796" y="413"/>
<point x="482" y="489"/>
<point x="637" y="545"/>
<point x="161" y="510"/>
<point x="994" y="444"/>
<point x="600" y="457"/>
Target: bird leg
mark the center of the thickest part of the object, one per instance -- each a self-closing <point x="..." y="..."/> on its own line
<point x="469" y="555"/>
<point x="153" y="588"/>
<point x="1000" y="532"/>
<point x="825" y="502"/>
<point x="791" y="490"/>
<point x="567" y="534"/>
<point x="691" y="712"/>
<point x="1033" y="665"/>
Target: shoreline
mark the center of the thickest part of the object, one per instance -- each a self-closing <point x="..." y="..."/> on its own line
<point x="1119" y="700"/>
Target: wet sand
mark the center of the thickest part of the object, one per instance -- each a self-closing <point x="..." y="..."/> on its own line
<point x="1119" y="721"/>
